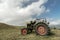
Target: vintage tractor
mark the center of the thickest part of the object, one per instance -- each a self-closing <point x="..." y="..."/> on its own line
<point x="39" y="25"/>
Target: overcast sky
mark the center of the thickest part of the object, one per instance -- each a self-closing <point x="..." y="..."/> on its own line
<point x="19" y="12"/>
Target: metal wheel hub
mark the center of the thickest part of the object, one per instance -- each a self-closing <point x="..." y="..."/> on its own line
<point x="24" y="32"/>
<point x="41" y="30"/>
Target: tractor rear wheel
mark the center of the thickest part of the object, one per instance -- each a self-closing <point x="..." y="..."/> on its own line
<point x="24" y="31"/>
<point x="42" y="29"/>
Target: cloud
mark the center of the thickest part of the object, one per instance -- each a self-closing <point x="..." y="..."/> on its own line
<point x="18" y="12"/>
<point x="55" y="22"/>
<point x="48" y="10"/>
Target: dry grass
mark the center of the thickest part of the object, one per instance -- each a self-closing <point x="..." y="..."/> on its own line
<point x="15" y="34"/>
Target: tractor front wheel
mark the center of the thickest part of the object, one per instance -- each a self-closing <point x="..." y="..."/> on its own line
<point x="24" y="31"/>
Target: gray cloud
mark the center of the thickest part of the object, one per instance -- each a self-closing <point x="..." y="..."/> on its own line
<point x="18" y="12"/>
<point x="25" y="4"/>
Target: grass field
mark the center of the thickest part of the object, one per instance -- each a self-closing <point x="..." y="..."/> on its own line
<point x="14" y="34"/>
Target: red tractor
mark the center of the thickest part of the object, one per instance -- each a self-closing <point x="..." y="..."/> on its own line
<point x="39" y="25"/>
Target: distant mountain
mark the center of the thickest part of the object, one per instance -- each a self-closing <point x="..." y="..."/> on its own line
<point x="6" y="26"/>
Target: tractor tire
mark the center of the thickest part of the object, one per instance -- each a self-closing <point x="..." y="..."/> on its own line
<point x="24" y="31"/>
<point x="42" y="29"/>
